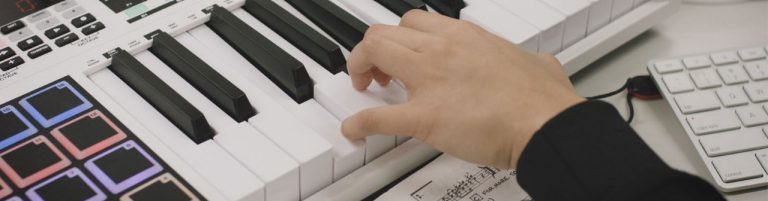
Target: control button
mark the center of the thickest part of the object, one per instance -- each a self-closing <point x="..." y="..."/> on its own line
<point x="90" y="29"/>
<point x="72" y="184"/>
<point x="40" y="51"/>
<point x="164" y="187"/>
<point x="15" y="127"/>
<point x="20" y="35"/>
<point x="11" y="63"/>
<point x="56" y="31"/>
<point x="62" y="6"/>
<point x="66" y="40"/>
<point x="123" y="167"/>
<point x="46" y="24"/>
<point x="32" y="161"/>
<point x="6" y="53"/>
<point x="73" y="12"/>
<point x="29" y="43"/>
<point x="83" y="20"/>
<point x="55" y="104"/>
<point x="38" y="16"/>
<point x="735" y="168"/>
<point x="5" y="190"/>
<point x="88" y="134"/>
<point x="11" y="27"/>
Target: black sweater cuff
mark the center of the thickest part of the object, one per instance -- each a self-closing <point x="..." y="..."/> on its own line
<point x="588" y="152"/>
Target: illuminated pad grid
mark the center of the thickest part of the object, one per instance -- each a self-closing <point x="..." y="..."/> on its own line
<point x="14" y="127"/>
<point x="72" y="184"/>
<point x="88" y="134"/>
<point x="164" y="187"/>
<point x="55" y="104"/>
<point x="57" y="142"/>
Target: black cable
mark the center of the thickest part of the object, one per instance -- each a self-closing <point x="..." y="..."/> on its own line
<point x="617" y="91"/>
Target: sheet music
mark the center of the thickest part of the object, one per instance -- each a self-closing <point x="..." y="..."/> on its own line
<point x="450" y="179"/>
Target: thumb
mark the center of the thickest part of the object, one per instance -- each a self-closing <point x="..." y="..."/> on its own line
<point x="390" y="120"/>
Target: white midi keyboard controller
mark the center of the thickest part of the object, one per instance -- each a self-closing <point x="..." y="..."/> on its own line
<point x="233" y="99"/>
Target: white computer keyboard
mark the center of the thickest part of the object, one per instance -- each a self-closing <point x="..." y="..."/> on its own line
<point x="721" y="98"/>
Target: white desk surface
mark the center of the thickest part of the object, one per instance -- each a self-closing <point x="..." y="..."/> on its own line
<point x="696" y="28"/>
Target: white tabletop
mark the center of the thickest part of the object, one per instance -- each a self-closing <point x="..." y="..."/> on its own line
<point x="696" y="28"/>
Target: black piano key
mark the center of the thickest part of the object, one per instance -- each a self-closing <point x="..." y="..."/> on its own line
<point x="285" y="71"/>
<point x="342" y="26"/>
<point x="450" y="8"/>
<point x="180" y="112"/>
<point x="312" y="43"/>
<point x="206" y="80"/>
<point x="400" y="7"/>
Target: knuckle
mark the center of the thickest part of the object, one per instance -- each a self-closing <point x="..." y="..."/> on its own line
<point x="370" y="44"/>
<point x="366" y="120"/>
<point x="374" y="30"/>
<point x="410" y="15"/>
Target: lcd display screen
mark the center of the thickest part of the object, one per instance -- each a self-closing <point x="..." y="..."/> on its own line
<point x="12" y="10"/>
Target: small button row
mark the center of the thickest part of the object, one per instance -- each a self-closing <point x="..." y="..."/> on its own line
<point x="703" y="61"/>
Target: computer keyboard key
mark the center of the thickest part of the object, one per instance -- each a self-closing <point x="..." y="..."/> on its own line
<point x="11" y="63"/>
<point x="733" y="74"/>
<point x="757" y="92"/>
<point x="301" y="35"/>
<point x="279" y="66"/>
<point x="752" y="115"/>
<point x="763" y="158"/>
<point x="677" y="83"/>
<point x="400" y="7"/>
<point x="713" y="121"/>
<point x="737" y="168"/>
<point x="752" y="54"/>
<point x="6" y="53"/>
<point x="198" y="73"/>
<point x="29" y="43"/>
<point x="723" y="58"/>
<point x="668" y="66"/>
<point x="732" y="96"/>
<point x="178" y="110"/>
<point x="697" y="102"/>
<point x="697" y="62"/>
<point x="733" y="142"/>
<point x="706" y="78"/>
<point x="757" y="70"/>
<point x="341" y="25"/>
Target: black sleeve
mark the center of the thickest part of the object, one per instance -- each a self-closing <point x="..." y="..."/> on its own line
<point x="589" y="152"/>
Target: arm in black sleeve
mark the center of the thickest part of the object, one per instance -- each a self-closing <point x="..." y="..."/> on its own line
<point x="588" y="152"/>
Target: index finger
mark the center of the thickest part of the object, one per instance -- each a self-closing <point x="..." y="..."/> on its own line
<point x="377" y="52"/>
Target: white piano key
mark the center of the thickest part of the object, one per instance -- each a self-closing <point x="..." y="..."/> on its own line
<point x="733" y="142"/>
<point x="495" y="19"/>
<point x="220" y="169"/>
<point x="599" y="14"/>
<point x="637" y="3"/>
<point x="620" y="7"/>
<point x="312" y="151"/>
<point x="338" y="96"/>
<point x="280" y="174"/>
<point x="577" y="18"/>
<point x="371" y="12"/>
<point x="187" y="172"/>
<point x="348" y="155"/>
<point x="547" y="20"/>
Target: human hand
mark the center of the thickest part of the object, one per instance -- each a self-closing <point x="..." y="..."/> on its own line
<point x="471" y="94"/>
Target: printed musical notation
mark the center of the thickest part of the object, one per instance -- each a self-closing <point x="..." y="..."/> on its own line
<point x="450" y="179"/>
